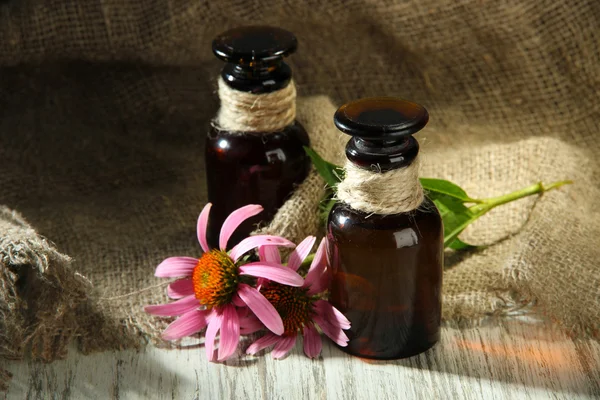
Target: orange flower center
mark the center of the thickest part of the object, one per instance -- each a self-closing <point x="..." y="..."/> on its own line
<point x="215" y="278"/>
<point x="293" y="304"/>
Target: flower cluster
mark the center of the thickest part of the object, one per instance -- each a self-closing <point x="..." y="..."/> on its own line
<point x="229" y="296"/>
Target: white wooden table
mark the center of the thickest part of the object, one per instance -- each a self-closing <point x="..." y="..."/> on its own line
<point x="513" y="360"/>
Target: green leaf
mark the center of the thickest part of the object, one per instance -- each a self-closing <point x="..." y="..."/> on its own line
<point x="454" y="215"/>
<point x="457" y="226"/>
<point x="331" y="173"/>
<point x="442" y="186"/>
<point x="325" y="208"/>
<point x="460" y="245"/>
<point x="447" y="204"/>
<point x="449" y="199"/>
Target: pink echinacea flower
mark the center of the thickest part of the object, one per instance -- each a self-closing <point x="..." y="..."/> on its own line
<point x="214" y="289"/>
<point x="301" y="308"/>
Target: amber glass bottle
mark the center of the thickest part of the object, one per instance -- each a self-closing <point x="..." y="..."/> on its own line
<point x="386" y="269"/>
<point x="253" y="167"/>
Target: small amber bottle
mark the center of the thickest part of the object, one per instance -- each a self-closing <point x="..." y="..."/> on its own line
<point x="254" y="150"/>
<point x="386" y="266"/>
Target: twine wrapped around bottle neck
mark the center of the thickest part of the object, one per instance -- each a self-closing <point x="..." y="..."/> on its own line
<point x="247" y="112"/>
<point x="384" y="193"/>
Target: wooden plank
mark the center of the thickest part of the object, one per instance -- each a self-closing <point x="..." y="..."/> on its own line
<point x="515" y="360"/>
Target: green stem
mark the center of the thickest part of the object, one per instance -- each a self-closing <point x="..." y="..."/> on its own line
<point x="307" y="260"/>
<point x="488" y="204"/>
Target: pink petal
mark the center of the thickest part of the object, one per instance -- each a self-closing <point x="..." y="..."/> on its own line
<point x="248" y="321"/>
<point x="186" y="325"/>
<point x="250" y="324"/>
<point x="332" y="314"/>
<point x="319" y="283"/>
<point x="284" y="346"/>
<point x="234" y="220"/>
<point x="211" y="333"/>
<point x="321" y="254"/>
<point x="261" y="307"/>
<point x="202" y="227"/>
<point x="237" y="301"/>
<point x="312" y="341"/>
<point x="178" y="307"/>
<point x="268" y="340"/>
<point x="256" y="241"/>
<point x="242" y="310"/>
<point x="316" y="280"/>
<point x="174" y="267"/>
<point x="230" y="333"/>
<point x="300" y="253"/>
<point x="260" y="282"/>
<point x="334" y="333"/>
<point x="180" y="288"/>
<point x="273" y="272"/>
<point x="341" y="319"/>
<point x="270" y="254"/>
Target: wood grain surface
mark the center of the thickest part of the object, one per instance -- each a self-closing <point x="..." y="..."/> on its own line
<point x="512" y="360"/>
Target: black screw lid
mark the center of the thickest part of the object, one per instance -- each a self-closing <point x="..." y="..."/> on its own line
<point x="254" y="44"/>
<point x="382" y="129"/>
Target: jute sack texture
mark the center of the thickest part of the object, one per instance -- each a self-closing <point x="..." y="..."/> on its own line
<point x="105" y="105"/>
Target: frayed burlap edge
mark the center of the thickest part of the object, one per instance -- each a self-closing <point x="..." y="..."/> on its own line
<point x="39" y="294"/>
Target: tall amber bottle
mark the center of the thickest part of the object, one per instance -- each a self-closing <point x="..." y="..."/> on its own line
<point x="386" y="268"/>
<point x="254" y="150"/>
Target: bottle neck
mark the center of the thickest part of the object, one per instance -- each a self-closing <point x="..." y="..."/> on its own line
<point x="382" y="193"/>
<point x="244" y="112"/>
<point x="382" y="156"/>
<point x="257" y="78"/>
<point x="382" y="178"/>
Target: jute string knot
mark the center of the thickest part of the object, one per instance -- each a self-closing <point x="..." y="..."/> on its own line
<point x="248" y="112"/>
<point x="385" y="193"/>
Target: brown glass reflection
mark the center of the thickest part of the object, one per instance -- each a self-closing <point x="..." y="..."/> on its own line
<point x="386" y="269"/>
<point x="386" y="279"/>
<point x="252" y="169"/>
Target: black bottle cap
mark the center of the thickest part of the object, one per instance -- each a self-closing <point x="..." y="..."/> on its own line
<point x="381" y="130"/>
<point x="254" y="44"/>
<point x="381" y="118"/>
<point x="254" y="56"/>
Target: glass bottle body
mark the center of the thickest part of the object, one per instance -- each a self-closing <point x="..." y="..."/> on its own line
<point x="386" y="279"/>
<point x="252" y="168"/>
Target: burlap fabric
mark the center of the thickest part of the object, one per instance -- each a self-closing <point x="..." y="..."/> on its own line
<point x="105" y="104"/>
